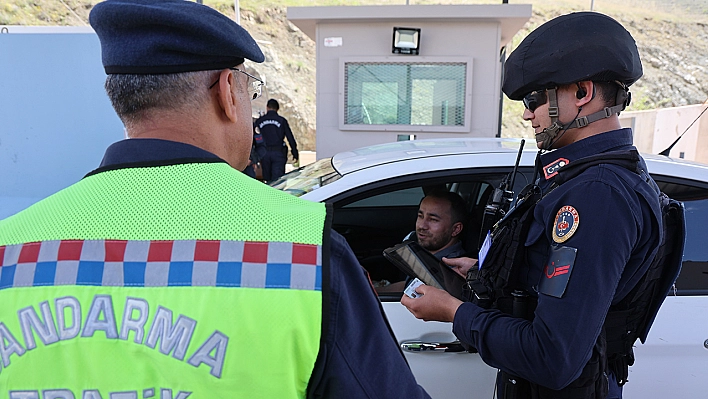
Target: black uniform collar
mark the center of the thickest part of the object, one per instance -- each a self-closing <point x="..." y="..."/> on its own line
<point x="135" y="153"/>
<point x="604" y="142"/>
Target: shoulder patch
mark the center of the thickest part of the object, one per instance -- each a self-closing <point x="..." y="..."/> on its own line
<point x="566" y="223"/>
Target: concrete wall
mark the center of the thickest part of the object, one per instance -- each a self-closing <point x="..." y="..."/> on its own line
<point x="656" y="130"/>
<point x="702" y="142"/>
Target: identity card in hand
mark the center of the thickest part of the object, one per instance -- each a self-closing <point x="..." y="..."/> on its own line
<point x="410" y="290"/>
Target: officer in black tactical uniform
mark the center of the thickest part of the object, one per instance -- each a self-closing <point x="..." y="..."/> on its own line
<point x="275" y="129"/>
<point x="544" y="311"/>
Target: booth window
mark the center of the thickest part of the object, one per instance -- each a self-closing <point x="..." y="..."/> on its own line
<point x="402" y="93"/>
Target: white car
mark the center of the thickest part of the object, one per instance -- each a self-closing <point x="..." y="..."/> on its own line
<point x="376" y="190"/>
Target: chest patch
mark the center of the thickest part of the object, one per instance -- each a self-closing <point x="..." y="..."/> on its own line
<point x="556" y="273"/>
<point x="566" y="223"/>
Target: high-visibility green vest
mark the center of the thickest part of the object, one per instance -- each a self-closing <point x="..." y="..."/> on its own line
<point x="176" y="281"/>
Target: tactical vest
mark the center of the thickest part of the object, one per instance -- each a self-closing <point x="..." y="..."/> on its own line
<point x="495" y="286"/>
<point x="176" y="281"/>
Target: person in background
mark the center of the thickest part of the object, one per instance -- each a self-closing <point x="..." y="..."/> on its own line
<point x="166" y="272"/>
<point x="275" y="129"/>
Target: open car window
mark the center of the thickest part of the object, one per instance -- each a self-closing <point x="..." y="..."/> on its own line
<point x="379" y="218"/>
<point x="382" y="217"/>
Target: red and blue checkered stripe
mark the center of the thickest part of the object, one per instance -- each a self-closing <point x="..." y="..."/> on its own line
<point x="189" y="263"/>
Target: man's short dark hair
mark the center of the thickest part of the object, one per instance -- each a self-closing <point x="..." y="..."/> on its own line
<point x="273" y="104"/>
<point x="458" y="207"/>
<point x="607" y="91"/>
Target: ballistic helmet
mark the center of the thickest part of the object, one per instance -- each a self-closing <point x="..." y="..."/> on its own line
<point x="572" y="48"/>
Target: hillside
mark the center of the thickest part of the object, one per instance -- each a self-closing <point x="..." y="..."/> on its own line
<point x="672" y="36"/>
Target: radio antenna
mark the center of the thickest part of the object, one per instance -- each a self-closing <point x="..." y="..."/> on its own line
<point x="668" y="150"/>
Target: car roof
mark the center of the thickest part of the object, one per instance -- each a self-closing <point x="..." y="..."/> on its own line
<point x="390" y="153"/>
<point x="375" y="155"/>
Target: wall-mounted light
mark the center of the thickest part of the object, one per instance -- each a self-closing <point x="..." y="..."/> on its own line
<point x="406" y="41"/>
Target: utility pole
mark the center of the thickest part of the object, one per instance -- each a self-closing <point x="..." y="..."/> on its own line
<point x="502" y="60"/>
<point x="237" y="11"/>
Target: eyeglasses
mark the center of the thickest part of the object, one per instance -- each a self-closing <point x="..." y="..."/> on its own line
<point x="254" y="88"/>
<point x="535" y="99"/>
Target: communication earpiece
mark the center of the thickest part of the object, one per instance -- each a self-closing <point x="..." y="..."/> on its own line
<point x="581" y="92"/>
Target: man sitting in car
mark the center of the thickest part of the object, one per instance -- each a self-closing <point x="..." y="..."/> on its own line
<point x="438" y="229"/>
<point x="439" y="226"/>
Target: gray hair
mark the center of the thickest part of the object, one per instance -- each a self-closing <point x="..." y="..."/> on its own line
<point x="134" y="96"/>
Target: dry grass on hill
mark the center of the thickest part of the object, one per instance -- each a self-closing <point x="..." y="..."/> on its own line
<point x="672" y="36"/>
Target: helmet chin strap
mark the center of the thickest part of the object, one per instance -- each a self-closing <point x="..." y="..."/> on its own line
<point x="547" y="137"/>
<point x="548" y="134"/>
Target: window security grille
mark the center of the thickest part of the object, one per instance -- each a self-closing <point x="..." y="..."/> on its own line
<point x="424" y="94"/>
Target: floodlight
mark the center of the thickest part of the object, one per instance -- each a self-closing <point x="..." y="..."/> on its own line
<point x="406" y="41"/>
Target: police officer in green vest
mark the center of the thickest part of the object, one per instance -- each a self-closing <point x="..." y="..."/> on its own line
<point x="166" y="272"/>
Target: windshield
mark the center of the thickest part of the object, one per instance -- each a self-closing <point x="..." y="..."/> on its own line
<point x="308" y="178"/>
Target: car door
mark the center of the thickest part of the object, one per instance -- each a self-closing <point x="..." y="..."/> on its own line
<point x="378" y="216"/>
<point x="670" y="364"/>
<point x="673" y="363"/>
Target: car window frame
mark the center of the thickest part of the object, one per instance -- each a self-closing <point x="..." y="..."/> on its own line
<point x="468" y="174"/>
<point x="475" y="174"/>
<point x="660" y="178"/>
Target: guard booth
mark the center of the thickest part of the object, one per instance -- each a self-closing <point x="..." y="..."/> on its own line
<point x="391" y="73"/>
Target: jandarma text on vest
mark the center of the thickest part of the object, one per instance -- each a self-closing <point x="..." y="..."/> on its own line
<point x="269" y="122"/>
<point x="95" y="394"/>
<point x="66" y="324"/>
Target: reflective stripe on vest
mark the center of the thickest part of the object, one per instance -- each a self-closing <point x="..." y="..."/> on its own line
<point x="227" y="315"/>
<point x="161" y="264"/>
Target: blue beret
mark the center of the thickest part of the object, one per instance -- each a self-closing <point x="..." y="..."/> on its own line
<point x="168" y="36"/>
<point x="572" y="48"/>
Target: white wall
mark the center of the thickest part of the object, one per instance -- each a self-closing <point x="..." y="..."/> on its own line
<point x="469" y="33"/>
<point x="374" y="40"/>
<point x="655" y="130"/>
<point x="55" y="118"/>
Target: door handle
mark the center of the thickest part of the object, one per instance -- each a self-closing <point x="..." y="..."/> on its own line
<point x="419" y="346"/>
